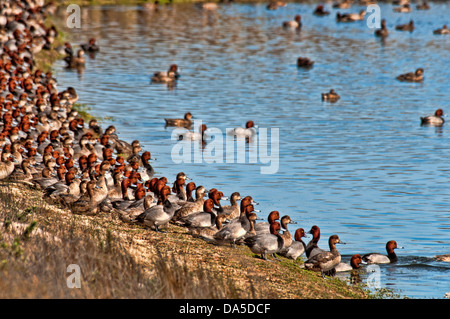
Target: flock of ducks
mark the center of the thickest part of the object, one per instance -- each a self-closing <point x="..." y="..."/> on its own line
<point x="47" y="144"/>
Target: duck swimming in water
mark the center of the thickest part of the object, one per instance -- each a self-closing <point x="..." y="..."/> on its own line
<point x="434" y="120"/>
<point x="406" y="27"/>
<point x="186" y="122"/>
<point x="303" y="62"/>
<point x="166" y="77"/>
<point x="294" y="24"/>
<point x="412" y="76"/>
<point x="331" y="96"/>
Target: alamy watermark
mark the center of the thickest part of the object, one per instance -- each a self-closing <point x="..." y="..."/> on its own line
<point x="250" y="147"/>
<point x="374" y="19"/>
<point x="74" y="18"/>
<point x="74" y="279"/>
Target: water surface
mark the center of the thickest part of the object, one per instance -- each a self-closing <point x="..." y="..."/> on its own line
<point x="362" y="168"/>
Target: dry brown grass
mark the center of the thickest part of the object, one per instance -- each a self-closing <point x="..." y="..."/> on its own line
<point x="119" y="260"/>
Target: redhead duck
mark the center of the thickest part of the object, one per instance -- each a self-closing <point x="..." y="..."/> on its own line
<point x="405" y="8"/>
<point x="294" y="24"/>
<point x="406" y="27"/>
<point x="273" y="5"/>
<point x="207" y="233"/>
<point x="166" y="77"/>
<point x="91" y="46"/>
<point x="434" y="120"/>
<point x="159" y="214"/>
<point x="186" y="122"/>
<point x="297" y="248"/>
<point x="443" y="30"/>
<point x="445" y="257"/>
<point x="320" y="11"/>
<point x="195" y="136"/>
<point x="331" y="96"/>
<point x="346" y="4"/>
<point x="206" y="218"/>
<point x="423" y="6"/>
<point x="248" y="132"/>
<point x="263" y="227"/>
<point x="303" y="62"/>
<point x="376" y="258"/>
<point x="312" y="248"/>
<point x="350" y="17"/>
<point x="151" y="6"/>
<point x="190" y="188"/>
<point x="264" y="244"/>
<point x="236" y="229"/>
<point x="355" y="263"/>
<point x="191" y="207"/>
<point x="412" y="76"/>
<point x="326" y="261"/>
<point x="383" y="31"/>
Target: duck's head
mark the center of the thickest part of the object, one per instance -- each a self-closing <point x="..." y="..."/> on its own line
<point x="439" y="112"/>
<point x="419" y="71"/>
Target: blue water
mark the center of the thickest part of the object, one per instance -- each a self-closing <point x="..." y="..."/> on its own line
<point x="362" y="168"/>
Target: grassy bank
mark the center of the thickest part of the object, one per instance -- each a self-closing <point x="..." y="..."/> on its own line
<point x="120" y="260"/>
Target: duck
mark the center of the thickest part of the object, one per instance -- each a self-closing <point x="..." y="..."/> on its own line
<point x="303" y="62"/>
<point x="445" y="258"/>
<point x="7" y="165"/>
<point x="377" y="258"/>
<point x="346" y="4"/>
<point x="412" y="76"/>
<point x="185" y="122"/>
<point x="209" y="6"/>
<point x="91" y="46"/>
<point x="158" y="215"/>
<point x="190" y="188"/>
<point x="273" y="5"/>
<point x="75" y="61"/>
<point x="235" y="229"/>
<point x="166" y="77"/>
<point x="206" y="218"/>
<point x="406" y="27"/>
<point x="294" y="24"/>
<point x="331" y="96"/>
<point x="195" y="136"/>
<point x="312" y="247"/>
<point x="443" y="30"/>
<point x="423" y="6"/>
<point x="264" y="244"/>
<point x="320" y="11"/>
<point x="383" y="31"/>
<point x="434" y="120"/>
<point x="350" y="17"/>
<point x="151" y="6"/>
<point x="287" y="237"/>
<point x="191" y="207"/>
<point x="405" y="8"/>
<point x="86" y="204"/>
<point x="264" y="227"/>
<point x="207" y="233"/>
<point x="232" y="211"/>
<point x="248" y="132"/>
<point x="297" y="248"/>
<point x="355" y="263"/>
<point x="326" y="261"/>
